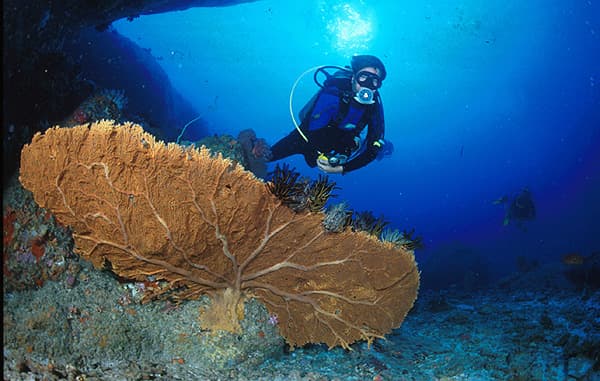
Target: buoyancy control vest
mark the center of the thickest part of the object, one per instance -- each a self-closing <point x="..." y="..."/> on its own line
<point x="333" y="106"/>
<point x="334" y="123"/>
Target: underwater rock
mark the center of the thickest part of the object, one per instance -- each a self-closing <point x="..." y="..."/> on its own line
<point x="103" y="104"/>
<point x="103" y="320"/>
<point x="59" y="52"/>
<point x="256" y="152"/>
<point x="36" y="248"/>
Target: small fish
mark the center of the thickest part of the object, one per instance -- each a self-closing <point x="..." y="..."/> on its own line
<point x="501" y="200"/>
<point x="573" y="259"/>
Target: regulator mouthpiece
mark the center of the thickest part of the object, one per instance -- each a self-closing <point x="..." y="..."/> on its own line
<point x="365" y="96"/>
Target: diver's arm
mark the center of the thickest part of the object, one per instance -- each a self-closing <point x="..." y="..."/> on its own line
<point x="367" y="156"/>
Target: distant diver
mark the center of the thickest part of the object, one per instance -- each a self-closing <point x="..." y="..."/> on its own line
<point x="519" y="208"/>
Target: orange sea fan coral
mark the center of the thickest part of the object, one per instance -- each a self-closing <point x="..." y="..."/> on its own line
<point x="207" y="226"/>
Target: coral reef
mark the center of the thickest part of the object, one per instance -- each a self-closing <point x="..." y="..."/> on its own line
<point x="501" y="334"/>
<point x="404" y="239"/>
<point x="226" y="146"/>
<point x="206" y="226"/>
<point x="300" y="194"/>
<point x="318" y="193"/>
<point x="254" y="147"/>
<point x="256" y="152"/>
<point x="98" y="320"/>
<point x="337" y="217"/>
<point x="35" y="248"/>
<point x="103" y="104"/>
<point x="286" y="185"/>
<point x="365" y="221"/>
<point x="247" y="150"/>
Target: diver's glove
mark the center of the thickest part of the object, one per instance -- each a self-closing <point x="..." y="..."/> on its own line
<point x="324" y="166"/>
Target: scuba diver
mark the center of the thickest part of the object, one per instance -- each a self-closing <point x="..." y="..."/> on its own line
<point x="329" y="135"/>
<point x="519" y="208"/>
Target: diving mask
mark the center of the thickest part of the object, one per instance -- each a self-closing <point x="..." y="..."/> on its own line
<point x="369" y="82"/>
<point x="368" y="79"/>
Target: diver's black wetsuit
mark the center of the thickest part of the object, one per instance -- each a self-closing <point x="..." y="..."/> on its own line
<point x="331" y="120"/>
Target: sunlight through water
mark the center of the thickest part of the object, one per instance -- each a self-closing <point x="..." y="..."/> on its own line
<point x="350" y="28"/>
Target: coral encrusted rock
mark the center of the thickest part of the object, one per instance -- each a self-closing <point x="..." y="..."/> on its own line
<point x="207" y="226"/>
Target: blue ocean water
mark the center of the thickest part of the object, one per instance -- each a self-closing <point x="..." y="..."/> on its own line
<point x="482" y="100"/>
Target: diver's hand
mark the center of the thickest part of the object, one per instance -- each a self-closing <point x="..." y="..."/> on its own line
<point x="324" y="166"/>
